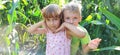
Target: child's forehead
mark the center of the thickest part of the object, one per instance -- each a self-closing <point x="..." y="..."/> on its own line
<point x="71" y="12"/>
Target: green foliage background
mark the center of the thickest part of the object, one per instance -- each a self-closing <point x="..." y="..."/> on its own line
<point x="100" y="17"/>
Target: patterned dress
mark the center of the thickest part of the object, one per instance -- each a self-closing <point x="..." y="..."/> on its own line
<point x="57" y="43"/>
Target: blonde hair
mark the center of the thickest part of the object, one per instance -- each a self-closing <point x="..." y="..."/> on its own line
<point x="72" y="7"/>
<point x="51" y="11"/>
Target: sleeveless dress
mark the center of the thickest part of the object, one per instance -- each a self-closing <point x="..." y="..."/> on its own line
<point x="57" y="43"/>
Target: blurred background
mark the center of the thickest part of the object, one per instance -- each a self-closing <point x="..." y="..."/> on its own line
<point x="100" y="17"/>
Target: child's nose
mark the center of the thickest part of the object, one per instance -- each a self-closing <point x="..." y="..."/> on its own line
<point x="71" y="21"/>
<point x="51" y="22"/>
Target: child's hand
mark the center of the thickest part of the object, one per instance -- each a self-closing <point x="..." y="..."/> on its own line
<point x="94" y="43"/>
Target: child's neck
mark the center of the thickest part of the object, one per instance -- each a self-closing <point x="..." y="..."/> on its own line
<point x="53" y="31"/>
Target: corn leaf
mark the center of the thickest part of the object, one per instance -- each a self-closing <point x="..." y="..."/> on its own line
<point x="114" y="19"/>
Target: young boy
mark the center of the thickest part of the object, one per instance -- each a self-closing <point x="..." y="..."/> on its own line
<point x="72" y="14"/>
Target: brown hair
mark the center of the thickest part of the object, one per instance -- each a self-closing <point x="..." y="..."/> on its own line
<point x="51" y="11"/>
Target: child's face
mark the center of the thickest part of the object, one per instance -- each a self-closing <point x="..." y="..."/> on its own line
<point x="53" y="23"/>
<point x="71" y="17"/>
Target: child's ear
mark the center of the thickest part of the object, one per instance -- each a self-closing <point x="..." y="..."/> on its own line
<point x="80" y="18"/>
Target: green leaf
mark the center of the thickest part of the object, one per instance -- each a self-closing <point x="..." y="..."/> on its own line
<point x="14" y="6"/>
<point x="25" y="2"/>
<point x="107" y="21"/>
<point x="14" y="16"/>
<point x="98" y="16"/>
<point x="114" y="19"/>
<point x="9" y="19"/>
<point x="25" y="18"/>
<point x="37" y="11"/>
<point x="96" y="22"/>
<point x="17" y="45"/>
<point x="7" y="41"/>
<point x="109" y="48"/>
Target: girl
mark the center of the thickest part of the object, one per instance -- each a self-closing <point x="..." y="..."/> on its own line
<point x="57" y="43"/>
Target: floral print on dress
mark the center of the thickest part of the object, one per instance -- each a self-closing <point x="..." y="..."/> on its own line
<point x="57" y="43"/>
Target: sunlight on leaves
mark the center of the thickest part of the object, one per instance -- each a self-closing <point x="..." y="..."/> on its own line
<point x="98" y="16"/>
<point x="9" y="19"/>
<point x="2" y="7"/>
<point x="107" y="21"/>
<point x="117" y="48"/>
<point x="15" y="1"/>
<point x="3" y="2"/>
<point x="7" y="40"/>
<point x="17" y="45"/>
<point x="25" y="2"/>
<point x="61" y="2"/>
<point x="89" y="18"/>
<point x="96" y="22"/>
<point x="108" y="48"/>
<point x="36" y="11"/>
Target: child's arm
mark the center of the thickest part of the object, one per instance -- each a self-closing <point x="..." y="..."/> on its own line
<point x="92" y="45"/>
<point x="35" y="28"/>
<point x="73" y="30"/>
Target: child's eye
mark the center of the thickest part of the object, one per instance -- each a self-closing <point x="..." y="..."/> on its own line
<point x="75" y="17"/>
<point x="67" y="18"/>
<point x="48" y="19"/>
